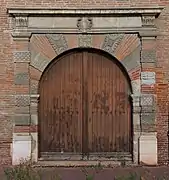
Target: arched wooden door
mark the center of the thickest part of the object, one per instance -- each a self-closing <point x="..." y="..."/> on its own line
<point x="84" y="108"/>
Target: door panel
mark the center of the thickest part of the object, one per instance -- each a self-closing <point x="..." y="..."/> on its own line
<point x="61" y="106"/>
<point x="108" y="118"/>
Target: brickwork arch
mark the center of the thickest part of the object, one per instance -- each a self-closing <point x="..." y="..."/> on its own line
<point x="124" y="48"/>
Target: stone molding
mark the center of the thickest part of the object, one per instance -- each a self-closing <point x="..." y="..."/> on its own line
<point x="21" y="35"/>
<point x="114" y="11"/>
<point x="143" y="17"/>
<point x="34" y="98"/>
<point x="21" y="21"/>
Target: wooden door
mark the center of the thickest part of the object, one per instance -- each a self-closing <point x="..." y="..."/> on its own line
<point x="84" y="107"/>
<point x="60" y="108"/>
<point x="109" y="115"/>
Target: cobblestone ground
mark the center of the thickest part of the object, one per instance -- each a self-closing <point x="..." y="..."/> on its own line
<point x="147" y="173"/>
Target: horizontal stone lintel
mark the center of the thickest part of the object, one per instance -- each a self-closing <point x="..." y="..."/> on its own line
<point x="53" y="11"/>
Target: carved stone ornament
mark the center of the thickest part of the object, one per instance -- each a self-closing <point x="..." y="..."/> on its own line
<point x="20" y="21"/>
<point x="148" y="20"/>
<point x="85" y="40"/>
<point x="58" y="41"/>
<point x="84" y="24"/>
<point x="111" y="42"/>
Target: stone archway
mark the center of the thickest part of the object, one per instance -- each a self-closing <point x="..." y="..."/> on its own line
<point x="36" y="46"/>
<point x="44" y="48"/>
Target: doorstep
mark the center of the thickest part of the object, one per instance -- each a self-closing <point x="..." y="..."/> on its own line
<point x="79" y="163"/>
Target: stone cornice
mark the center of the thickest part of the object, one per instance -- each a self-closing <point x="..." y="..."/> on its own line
<point x="101" y="12"/>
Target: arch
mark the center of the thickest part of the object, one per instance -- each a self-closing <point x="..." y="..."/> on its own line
<point x="70" y="104"/>
<point x="113" y="45"/>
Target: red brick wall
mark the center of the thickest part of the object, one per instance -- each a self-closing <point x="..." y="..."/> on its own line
<point x="162" y="91"/>
<point x="7" y="67"/>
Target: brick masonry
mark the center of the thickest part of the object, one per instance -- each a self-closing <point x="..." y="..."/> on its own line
<point x="11" y="83"/>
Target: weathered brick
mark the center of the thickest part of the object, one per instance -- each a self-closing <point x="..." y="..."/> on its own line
<point x="7" y="58"/>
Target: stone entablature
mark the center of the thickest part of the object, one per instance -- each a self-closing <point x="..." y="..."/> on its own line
<point x="83" y="21"/>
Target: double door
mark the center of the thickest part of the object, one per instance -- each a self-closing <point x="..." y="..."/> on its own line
<point x="84" y="108"/>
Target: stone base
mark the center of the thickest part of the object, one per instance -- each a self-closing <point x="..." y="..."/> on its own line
<point x="21" y="149"/>
<point x="148" y="149"/>
<point x="25" y="148"/>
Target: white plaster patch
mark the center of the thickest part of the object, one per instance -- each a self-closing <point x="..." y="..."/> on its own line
<point x="148" y="149"/>
<point x="148" y="78"/>
<point x="21" y="150"/>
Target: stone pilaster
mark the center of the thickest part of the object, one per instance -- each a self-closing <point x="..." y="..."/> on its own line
<point x="148" y="140"/>
<point x="136" y="126"/>
<point x="34" y="123"/>
<point x="21" y="57"/>
<point x="21" y="119"/>
<point x="148" y="81"/>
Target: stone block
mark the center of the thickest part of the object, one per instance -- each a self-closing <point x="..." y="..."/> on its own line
<point x="135" y="148"/>
<point x="136" y="86"/>
<point x="22" y="100"/>
<point x="34" y="87"/>
<point x="38" y="61"/>
<point x="148" y="122"/>
<point x="148" y="149"/>
<point x="111" y="42"/>
<point x="148" y="100"/>
<point x="21" y="56"/>
<point x="132" y="60"/>
<point x="34" y="147"/>
<point x="136" y="99"/>
<point x="22" y="109"/>
<point x="148" y="78"/>
<point x="148" y="56"/>
<point x="34" y="119"/>
<point x="22" y="119"/>
<point x="85" y="40"/>
<point x="21" y="78"/>
<point x="58" y="42"/>
<point x="148" y="118"/>
<point x="21" y="149"/>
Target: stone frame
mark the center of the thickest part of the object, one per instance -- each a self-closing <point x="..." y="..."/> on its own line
<point x="85" y="28"/>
